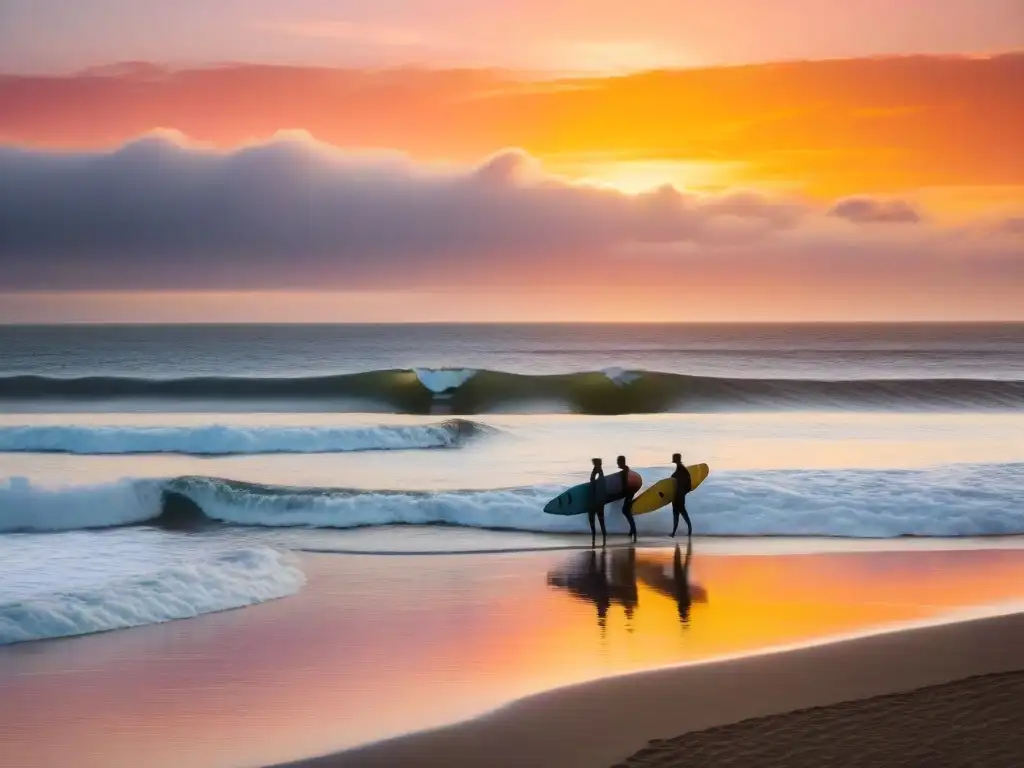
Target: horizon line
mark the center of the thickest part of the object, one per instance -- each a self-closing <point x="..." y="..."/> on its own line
<point x="236" y="323"/>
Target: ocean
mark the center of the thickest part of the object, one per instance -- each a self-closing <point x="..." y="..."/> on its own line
<point x="150" y="473"/>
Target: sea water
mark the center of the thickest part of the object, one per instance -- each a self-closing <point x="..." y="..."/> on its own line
<point x="216" y="450"/>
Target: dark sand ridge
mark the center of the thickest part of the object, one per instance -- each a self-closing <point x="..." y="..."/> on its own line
<point x="977" y="721"/>
<point x="604" y="722"/>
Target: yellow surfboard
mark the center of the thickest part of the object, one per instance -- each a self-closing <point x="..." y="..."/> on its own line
<point x="662" y="492"/>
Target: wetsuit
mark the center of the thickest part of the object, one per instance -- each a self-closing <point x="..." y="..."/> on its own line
<point x="597" y="497"/>
<point x="683" y="486"/>
<point x="627" y="501"/>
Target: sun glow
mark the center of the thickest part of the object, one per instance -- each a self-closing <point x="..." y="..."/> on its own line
<point x="636" y="176"/>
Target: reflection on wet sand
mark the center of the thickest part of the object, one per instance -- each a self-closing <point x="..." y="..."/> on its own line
<point x="676" y="586"/>
<point x="606" y="580"/>
<point x="377" y="646"/>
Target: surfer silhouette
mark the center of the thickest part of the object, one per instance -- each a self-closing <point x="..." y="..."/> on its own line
<point x="627" y="501"/>
<point x="597" y="499"/>
<point x="683" y="486"/>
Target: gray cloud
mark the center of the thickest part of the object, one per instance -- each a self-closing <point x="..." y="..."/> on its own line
<point x="869" y="210"/>
<point x="155" y="214"/>
<point x="154" y="207"/>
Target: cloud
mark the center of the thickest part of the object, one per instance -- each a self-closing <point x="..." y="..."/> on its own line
<point x="299" y="202"/>
<point x="160" y="214"/>
<point x="867" y="210"/>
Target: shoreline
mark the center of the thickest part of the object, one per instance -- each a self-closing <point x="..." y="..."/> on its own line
<point x="331" y="668"/>
<point x="712" y="544"/>
<point x="603" y="722"/>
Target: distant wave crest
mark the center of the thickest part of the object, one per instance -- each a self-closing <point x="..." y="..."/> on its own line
<point x="612" y="391"/>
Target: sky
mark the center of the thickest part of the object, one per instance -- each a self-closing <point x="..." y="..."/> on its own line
<point x="411" y="160"/>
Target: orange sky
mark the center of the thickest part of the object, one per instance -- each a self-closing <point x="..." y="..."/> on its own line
<point x="829" y="127"/>
<point x="927" y="147"/>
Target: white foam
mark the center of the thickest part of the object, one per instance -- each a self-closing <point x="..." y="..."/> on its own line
<point x="620" y="376"/>
<point x="979" y="500"/>
<point x="223" y="440"/>
<point x="76" y="583"/>
<point x="444" y="379"/>
<point x="510" y="509"/>
<point x="25" y="507"/>
<point x="949" y="501"/>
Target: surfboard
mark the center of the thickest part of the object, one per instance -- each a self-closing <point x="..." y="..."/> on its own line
<point x="576" y="500"/>
<point x="662" y="492"/>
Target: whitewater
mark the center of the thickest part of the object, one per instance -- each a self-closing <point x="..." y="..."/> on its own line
<point x="955" y="500"/>
<point x="75" y="584"/>
<point x="78" y="559"/>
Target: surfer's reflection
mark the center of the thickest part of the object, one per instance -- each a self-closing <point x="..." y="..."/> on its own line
<point x="605" y="580"/>
<point x="602" y="580"/>
<point x="676" y="586"/>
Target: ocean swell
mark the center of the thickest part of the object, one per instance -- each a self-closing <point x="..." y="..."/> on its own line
<point x="612" y="391"/>
<point x="960" y="500"/>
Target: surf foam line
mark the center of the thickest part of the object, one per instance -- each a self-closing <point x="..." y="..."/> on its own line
<point x="947" y="501"/>
<point x="611" y="391"/>
<point x="75" y="584"/>
<point x="217" y="440"/>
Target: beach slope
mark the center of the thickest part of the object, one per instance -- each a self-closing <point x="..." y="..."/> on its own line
<point x="602" y="723"/>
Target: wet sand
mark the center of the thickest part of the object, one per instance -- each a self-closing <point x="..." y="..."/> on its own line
<point x="379" y="646"/>
<point x="975" y="721"/>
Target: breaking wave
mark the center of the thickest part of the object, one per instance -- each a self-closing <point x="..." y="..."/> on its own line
<point x="612" y="391"/>
<point x="25" y="507"/>
<point x="959" y="500"/>
<point x="224" y="440"/>
<point x="96" y="583"/>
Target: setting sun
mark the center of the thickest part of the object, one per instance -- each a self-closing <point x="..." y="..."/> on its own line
<point x="632" y="177"/>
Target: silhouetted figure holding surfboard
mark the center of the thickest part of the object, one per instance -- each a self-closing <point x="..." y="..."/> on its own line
<point x="597" y="500"/>
<point x="683" y="486"/>
<point x="627" y="500"/>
